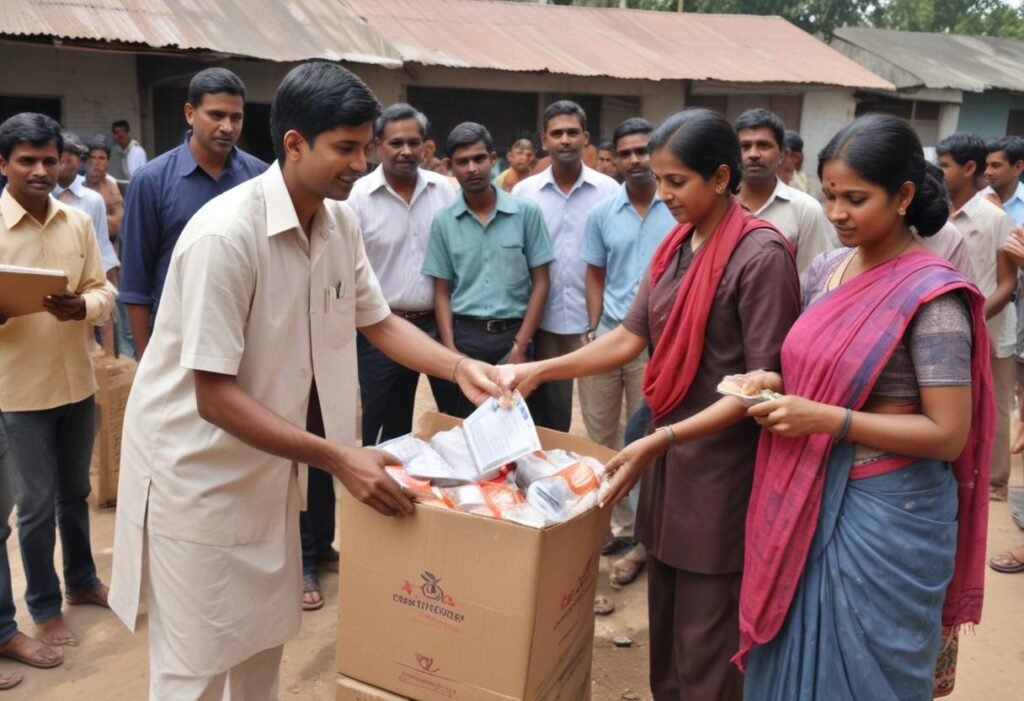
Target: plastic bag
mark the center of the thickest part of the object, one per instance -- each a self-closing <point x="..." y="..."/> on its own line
<point x="568" y="492"/>
<point x="492" y="499"/>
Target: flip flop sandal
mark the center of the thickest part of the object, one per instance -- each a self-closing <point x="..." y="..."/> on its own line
<point x="9" y="681"/>
<point x="31" y="661"/>
<point x="603" y="606"/>
<point x="311" y="583"/>
<point x="1006" y="563"/>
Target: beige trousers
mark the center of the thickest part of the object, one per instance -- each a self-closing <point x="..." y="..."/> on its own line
<point x="1003" y="379"/>
<point x="601" y="398"/>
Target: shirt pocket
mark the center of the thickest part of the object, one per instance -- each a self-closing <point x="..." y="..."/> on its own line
<point x="512" y="266"/>
<point x="72" y="264"/>
<point x="340" y="316"/>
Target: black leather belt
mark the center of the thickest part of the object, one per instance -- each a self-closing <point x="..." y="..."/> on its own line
<point x="489" y="325"/>
<point x="413" y="316"/>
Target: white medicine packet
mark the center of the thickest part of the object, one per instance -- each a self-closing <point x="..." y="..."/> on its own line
<point x="498" y="436"/>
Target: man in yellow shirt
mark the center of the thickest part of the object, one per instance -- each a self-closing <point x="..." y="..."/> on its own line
<point x="46" y="376"/>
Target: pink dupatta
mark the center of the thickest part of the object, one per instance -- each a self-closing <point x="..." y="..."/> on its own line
<point x="834" y="354"/>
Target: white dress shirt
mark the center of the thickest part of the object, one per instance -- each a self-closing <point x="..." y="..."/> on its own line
<point x="92" y="203"/>
<point x="566" y="217"/>
<point x="248" y="295"/>
<point x="801" y="219"/>
<point x="986" y="227"/>
<point x="396" y="233"/>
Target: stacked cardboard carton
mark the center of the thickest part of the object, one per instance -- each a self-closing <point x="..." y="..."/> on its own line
<point x="446" y="605"/>
<point x="114" y="378"/>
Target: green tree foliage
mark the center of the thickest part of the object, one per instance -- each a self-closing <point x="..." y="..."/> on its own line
<point x="980" y="17"/>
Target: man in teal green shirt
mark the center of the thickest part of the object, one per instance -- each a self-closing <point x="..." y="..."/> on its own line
<point x="488" y="254"/>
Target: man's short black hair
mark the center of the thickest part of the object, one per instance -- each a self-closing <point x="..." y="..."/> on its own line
<point x="98" y="143"/>
<point x="633" y="125"/>
<point x="564" y="107"/>
<point x="964" y="148"/>
<point x="318" y="96"/>
<point x="399" y="112"/>
<point x="211" y="81"/>
<point x="74" y="145"/>
<point x="527" y="138"/>
<point x="606" y="145"/>
<point x="1013" y="146"/>
<point x="467" y="134"/>
<point x="761" y="118"/>
<point x="793" y="141"/>
<point x="29" y="128"/>
<point x="121" y="123"/>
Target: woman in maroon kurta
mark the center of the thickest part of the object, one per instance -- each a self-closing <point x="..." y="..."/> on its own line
<point x="718" y="299"/>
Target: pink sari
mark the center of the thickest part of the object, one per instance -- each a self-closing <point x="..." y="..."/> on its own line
<point x="853" y="331"/>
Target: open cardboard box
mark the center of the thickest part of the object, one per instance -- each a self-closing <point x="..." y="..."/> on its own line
<point x="351" y="690"/>
<point x="446" y="605"/>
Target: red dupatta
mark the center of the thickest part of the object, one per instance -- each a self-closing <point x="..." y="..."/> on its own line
<point x="677" y="354"/>
<point x="834" y="354"/>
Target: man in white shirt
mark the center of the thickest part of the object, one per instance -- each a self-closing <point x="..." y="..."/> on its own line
<point x="985" y="228"/>
<point x="396" y="204"/>
<point x="797" y="215"/>
<point x="566" y="191"/>
<point x="267" y="285"/>
<point x="127" y="154"/>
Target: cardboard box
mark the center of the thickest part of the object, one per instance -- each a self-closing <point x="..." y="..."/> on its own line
<point x="352" y="690"/>
<point x="114" y="377"/>
<point x="444" y="605"/>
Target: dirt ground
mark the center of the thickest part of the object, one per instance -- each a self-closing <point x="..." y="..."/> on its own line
<point x="111" y="664"/>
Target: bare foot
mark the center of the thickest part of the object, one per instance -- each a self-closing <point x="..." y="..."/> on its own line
<point x="55" y="633"/>
<point x="31" y="652"/>
<point x="95" y="597"/>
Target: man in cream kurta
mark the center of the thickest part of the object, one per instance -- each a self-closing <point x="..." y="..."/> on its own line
<point x="266" y="287"/>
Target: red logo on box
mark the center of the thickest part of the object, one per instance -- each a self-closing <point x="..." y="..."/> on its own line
<point x="426" y="664"/>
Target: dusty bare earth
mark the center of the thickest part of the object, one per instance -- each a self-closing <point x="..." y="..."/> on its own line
<point x="111" y="664"/>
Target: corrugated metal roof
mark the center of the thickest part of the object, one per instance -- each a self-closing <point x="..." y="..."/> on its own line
<point x="278" y="30"/>
<point x="629" y="44"/>
<point x="941" y="61"/>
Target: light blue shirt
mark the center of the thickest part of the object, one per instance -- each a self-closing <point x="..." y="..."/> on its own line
<point x="622" y="243"/>
<point x="92" y="204"/>
<point x="566" y="217"/>
<point x="488" y="266"/>
<point x="1015" y="205"/>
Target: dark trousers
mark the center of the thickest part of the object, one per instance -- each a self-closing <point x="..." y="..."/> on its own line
<point x="388" y="390"/>
<point x="478" y="344"/>
<point x="316" y="523"/>
<point x="694" y="622"/>
<point x="551" y="403"/>
<point x="51" y="451"/>
<point x="8" y="628"/>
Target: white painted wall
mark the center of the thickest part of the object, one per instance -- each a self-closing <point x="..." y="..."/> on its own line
<point x="95" y="87"/>
<point x="825" y="112"/>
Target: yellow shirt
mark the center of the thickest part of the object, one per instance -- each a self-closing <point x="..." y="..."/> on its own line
<point x="45" y="363"/>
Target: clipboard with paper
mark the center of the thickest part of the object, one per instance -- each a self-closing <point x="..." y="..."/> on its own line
<point x="23" y="289"/>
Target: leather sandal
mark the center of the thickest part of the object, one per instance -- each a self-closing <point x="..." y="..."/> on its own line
<point x="33" y="660"/>
<point x="9" y="680"/>
<point x="1008" y="563"/>
<point x="310" y="584"/>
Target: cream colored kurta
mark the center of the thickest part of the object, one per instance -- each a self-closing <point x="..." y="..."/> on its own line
<point x="246" y="295"/>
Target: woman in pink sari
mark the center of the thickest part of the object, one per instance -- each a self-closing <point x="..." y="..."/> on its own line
<point x="866" y="526"/>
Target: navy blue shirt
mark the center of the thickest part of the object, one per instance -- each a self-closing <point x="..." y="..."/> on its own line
<point x="162" y="197"/>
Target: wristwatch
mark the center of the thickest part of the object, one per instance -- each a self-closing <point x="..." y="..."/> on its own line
<point x="591" y="335"/>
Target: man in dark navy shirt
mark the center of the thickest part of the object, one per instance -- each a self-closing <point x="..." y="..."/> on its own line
<point x="168" y="190"/>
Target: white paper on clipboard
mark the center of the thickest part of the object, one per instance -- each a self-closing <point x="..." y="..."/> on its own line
<point x="497" y="436"/>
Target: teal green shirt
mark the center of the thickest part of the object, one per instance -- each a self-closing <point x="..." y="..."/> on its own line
<point x="488" y="266"/>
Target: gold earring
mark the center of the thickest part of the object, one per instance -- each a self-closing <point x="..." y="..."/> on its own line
<point x="902" y="211"/>
<point x="720" y="191"/>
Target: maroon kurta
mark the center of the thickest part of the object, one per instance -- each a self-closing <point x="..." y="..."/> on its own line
<point x="693" y="503"/>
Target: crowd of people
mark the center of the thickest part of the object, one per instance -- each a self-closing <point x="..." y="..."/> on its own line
<point x="828" y="541"/>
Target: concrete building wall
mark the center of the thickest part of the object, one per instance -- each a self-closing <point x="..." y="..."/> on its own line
<point x="988" y="113"/>
<point x="95" y="87"/>
<point x="824" y="113"/>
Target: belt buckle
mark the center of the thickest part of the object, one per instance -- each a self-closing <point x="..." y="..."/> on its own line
<point x="493" y="326"/>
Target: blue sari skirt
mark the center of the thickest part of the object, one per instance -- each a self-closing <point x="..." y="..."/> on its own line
<point x="866" y="618"/>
